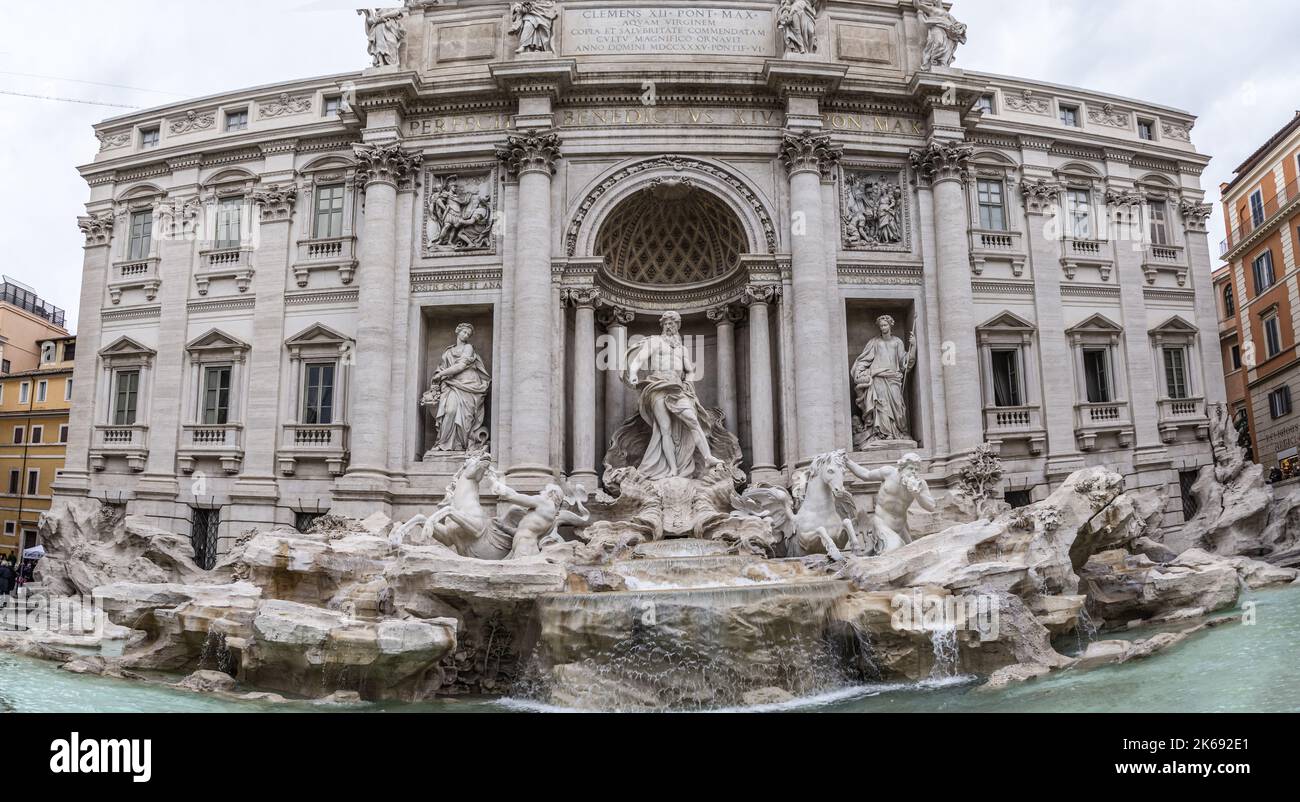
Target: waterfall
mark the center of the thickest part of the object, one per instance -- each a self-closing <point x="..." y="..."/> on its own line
<point x="943" y="640"/>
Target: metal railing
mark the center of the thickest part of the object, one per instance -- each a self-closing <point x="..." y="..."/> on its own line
<point x="1270" y="208"/>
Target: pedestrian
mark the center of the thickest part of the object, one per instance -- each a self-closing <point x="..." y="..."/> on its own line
<point x="6" y="578"/>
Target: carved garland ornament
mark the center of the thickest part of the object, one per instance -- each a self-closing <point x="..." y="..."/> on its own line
<point x="1109" y="115"/>
<point x="284" y="105"/>
<point x="1027" y="103"/>
<point x="524" y="153"/>
<point x="677" y="164"/>
<point x="192" y="121"/>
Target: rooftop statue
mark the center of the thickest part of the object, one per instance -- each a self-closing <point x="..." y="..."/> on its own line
<point x="385" y="31"/>
<point x="532" y="20"/>
<point x="797" y="20"/>
<point x="943" y="34"/>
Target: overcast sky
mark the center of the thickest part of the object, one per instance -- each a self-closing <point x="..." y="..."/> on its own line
<point x="1234" y="64"/>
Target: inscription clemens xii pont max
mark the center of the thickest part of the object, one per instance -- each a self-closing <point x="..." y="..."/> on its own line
<point x="641" y="31"/>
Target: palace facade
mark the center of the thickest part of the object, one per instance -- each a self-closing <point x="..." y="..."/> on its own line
<point x="273" y="276"/>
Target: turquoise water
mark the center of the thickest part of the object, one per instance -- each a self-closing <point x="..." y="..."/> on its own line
<point x="1232" y="668"/>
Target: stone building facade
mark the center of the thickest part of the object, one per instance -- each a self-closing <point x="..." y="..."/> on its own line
<point x="1257" y="296"/>
<point x="559" y="175"/>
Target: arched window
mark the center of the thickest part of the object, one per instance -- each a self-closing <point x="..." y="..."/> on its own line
<point x="1229" y="307"/>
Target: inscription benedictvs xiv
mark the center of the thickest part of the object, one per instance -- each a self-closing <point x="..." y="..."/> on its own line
<point x="668" y="31"/>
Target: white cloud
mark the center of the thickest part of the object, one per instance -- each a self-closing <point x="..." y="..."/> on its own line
<point x="1201" y="55"/>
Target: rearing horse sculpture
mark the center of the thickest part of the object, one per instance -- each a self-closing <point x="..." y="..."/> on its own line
<point x="461" y="523"/>
<point x="827" y="517"/>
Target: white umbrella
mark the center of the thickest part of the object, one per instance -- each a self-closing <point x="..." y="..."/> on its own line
<point x="34" y="553"/>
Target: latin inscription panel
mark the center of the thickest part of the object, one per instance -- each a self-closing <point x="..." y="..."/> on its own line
<point x="667" y="30"/>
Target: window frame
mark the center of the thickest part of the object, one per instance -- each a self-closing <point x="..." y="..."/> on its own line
<point x="1257" y="214"/>
<point x="24" y="392"/>
<point x="36" y="435"/>
<point x="1277" y="397"/>
<point x="1107" y="383"/>
<point x="150" y="137"/>
<point x="230" y="114"/>
<point x="19" y="435"/>
<point x="1181" y="390"/>
<point x="32" y="483"/>
<point x="336" y="212"/>
<point x="1072" y="212"/>
<point x="1265" y="256"/>
<point x="1229" y="300"/>
<point x="227" y="207"/>
<point x="116" y="409"/>
<point x="139" y="236"/>
<point x="42" y="391"/>
<point x="1000" y="205"/>
<point x="1158" y="222"/>
<point x="1275" y="329"/>
<point x="1150" y="125"/>
<point x="221" y="412"/>
<point x="67" y="389"/>
<point x="307" y="410"/>
<point x="63" y="433"/>
<point x="1075" y="112"/>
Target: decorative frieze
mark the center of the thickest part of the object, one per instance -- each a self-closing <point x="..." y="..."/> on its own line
<point x="1026" y="102"/>
<point x="284" y="105"/>
<point x="1176" y="131"/>
<point x="877" y="274"/>
<point x="388" y="163"/>
<point x="809" y="152"/>
<point x="873" y="210"/>
<point x="1109" y="116"/>
<point x="460" y="210"/>
<point x="530" y="152"/>
<point x="192" y="122"/>
<point x="942" y="161"/>
<point x="113" y="139"/>
<point x="455" y="280"/>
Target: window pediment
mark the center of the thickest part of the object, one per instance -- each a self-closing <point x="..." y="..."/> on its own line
<point x="1095" y="324"/>
<point x="1175" y="325"/>
<point x="318" y="340"/>
<point x="216" y="344"/>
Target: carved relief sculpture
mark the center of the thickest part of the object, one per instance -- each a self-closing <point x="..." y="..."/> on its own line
<point x="879" y="375"/>
<point x="797" y="20"/>
<point x="943" y="34"/>
<point x="873" y="213"/>
<point x="457" y="396"/>
<point x="458" y="214"/>
<point x="385" y="33"/>
<point x="531" y="21"/>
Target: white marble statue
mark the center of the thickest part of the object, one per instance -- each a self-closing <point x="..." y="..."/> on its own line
<point x="535" y="520"/>
<point x="797" y="20"/>
<point x="879" y="375"/>
<point x="457" y="396"/>
<point x="943" y="34"/>
<point x="532" y="21"/>
<point x="668" y="404"/>
<point x="385" y="31"/>
<point x="819" y="516"/>
<point x="901" y="486"/>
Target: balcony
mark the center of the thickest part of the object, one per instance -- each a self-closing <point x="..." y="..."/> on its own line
<point x="225" y="263"/>
<point x="311" y="441"/>
<point x="1168" y="258"/>
<point x="132" y="274"/>
<point x="1093" y="419"/>
<point x="1004" y="245"/>
<point x="1078" y="252"/>
<point x="1002" y="424"/>
<point x="130" y="442"/>
<point x="222" y="442"/>
<point x="328" y="253"/>
<point x="1179" y="413"/>
<point x="1273" y="209"/>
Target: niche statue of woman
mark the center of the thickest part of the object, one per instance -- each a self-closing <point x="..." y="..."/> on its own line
<point x="457" y="396"/>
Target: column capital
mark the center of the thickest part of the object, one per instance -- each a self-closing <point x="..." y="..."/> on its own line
<point x="1123" y="196"/>
<point x="385" y="163"/>
<point x="1040" y="194"/>
<point x="98" y="228"/>
<point x="581" y="297"/>
<point x="530" y="152"/>
<point x="760" y="294"/>
<point x="1195" y="215"/>
<point x="805" y="151"/>
<point x="724" y="313"/>
<point x="942" y="160"/>
<point x="276" y="202"/>
<point x="616" y="316"/>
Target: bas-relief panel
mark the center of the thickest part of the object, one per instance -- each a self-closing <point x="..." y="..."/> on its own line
<point x="874" y="208"/>
<point x="460" y="210"/>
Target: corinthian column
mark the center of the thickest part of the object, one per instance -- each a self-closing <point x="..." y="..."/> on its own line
<point x="1195" y="214"/>
<point x="942" y="164"/>
<point x="531" y="158"/>
<point x="584" y="385"/>
<point x="380" y="167"/>
<point x="761" y="431"/>
<point x="615" y="319"/>
<point x="724" y="317"/>
<point x="808" y="156"/>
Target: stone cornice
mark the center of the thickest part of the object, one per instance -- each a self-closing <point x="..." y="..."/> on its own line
<point x="803" y="79"/>
<point x="536" y="77"/>
<point x="530" y="152"/>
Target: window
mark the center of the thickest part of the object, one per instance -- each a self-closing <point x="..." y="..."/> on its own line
<point x="1159" y="212"/>
<point x="216" y="395"/>
<point x="1175" y="372"/>
<point x="1070" y="116"/>
<point x="1234" y="357"/>
<point x="1007" y="378"/>
<point x="149" y="137"/>
<point x="1186" y="480"/>
<point x="42" y="390"/>
<point x="33" y="481"/>
<point x="302" y="521"/>
<point x="24" y="392"/>
<point x="1096" y="370"/>
<point x="15" y="480"/>
<point x="1279" y="402"/>
<point x="237" y="120"/>
<point x="1018" y="498"/>
<point x="1079" y="210"/>
<point x="9" y="528"/>
<point x="63" y="433"/>
<point x="47" y="352"/>
<point x="204" y="526"/>
<point x="318" y="393"/>
<point x="4" y="365"/>
<point x="125" y="396"/>
<point x="20" y="433"/>
<point x="1272" y="336"/>
<point x="1229" y="306"/>
<point x="1262" y="270"/>
<point x="1257" y="207"/>
<point x="329" y="211"/>
<point x="993" y="214"/>
<point x="38" y="434"/>
<point x="333" y="105"/>
<point x="229" y="211"/>
<point x="141" y="237"/>
<point x="69" y="352"/>
<point x="985" y="104"/>
<point x="67" y="390"/>
<point x="1146" y="130"/>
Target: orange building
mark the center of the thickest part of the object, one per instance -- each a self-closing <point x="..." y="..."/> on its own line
<point x="1258" y="295"/>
